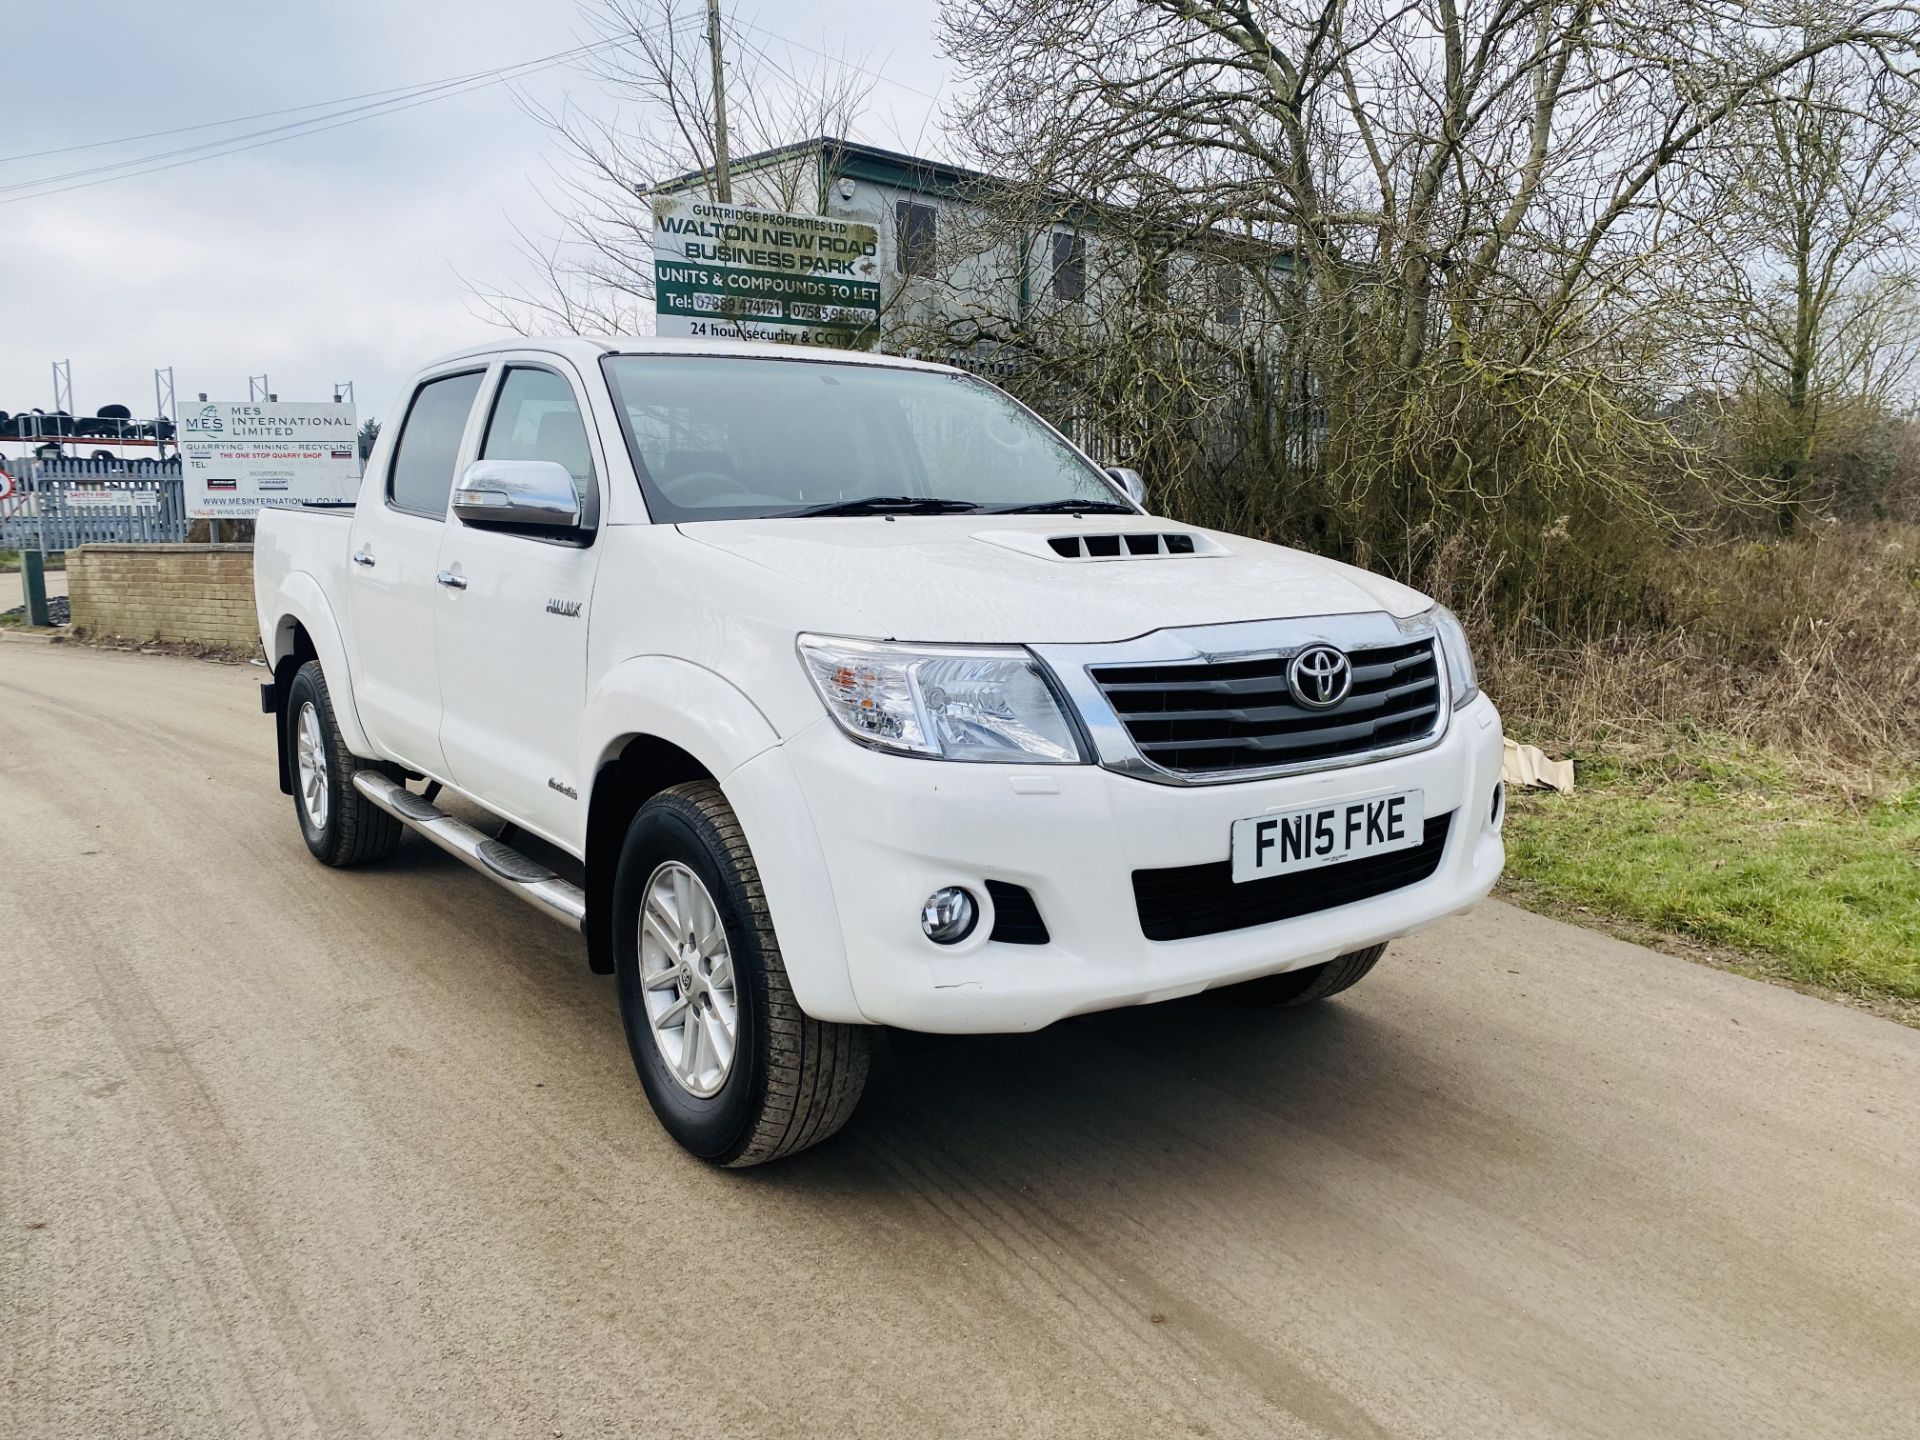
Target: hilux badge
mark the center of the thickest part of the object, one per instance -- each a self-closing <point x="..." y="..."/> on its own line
<point x="563" y="607"/>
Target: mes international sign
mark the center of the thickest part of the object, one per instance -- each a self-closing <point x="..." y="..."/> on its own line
<point x="239" y="458"/>
<point x="734" y="272"/>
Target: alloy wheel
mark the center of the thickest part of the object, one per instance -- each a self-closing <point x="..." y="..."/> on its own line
<point x="310" y="757"/>
<point x="687" y="979"/>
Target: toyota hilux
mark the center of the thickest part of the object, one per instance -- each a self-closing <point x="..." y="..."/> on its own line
<point x="828" y="691"/>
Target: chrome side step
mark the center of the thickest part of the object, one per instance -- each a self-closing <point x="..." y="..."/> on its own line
<point x="516" y="873"/>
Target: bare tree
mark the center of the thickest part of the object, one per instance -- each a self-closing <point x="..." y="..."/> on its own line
<point x="1813" y="290"/>
<point x="1480" y="202"/>
<point x="593" y="272"/>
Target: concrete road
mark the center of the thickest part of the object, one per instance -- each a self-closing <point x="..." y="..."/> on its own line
<point x="298" y="1152"/>
<point x="13" y="587"/>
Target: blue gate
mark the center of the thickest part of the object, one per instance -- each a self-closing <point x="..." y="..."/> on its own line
<point x="60" y="504"/>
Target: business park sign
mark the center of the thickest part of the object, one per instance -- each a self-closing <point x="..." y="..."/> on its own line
<point x="238" y="458"/>
<point x="737" y="273"/>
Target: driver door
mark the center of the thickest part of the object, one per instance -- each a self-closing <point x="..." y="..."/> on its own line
<point x="512" y="628"/>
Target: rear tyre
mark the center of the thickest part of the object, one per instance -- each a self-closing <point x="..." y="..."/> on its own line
<point x="1316" y="982"/>
<point x="341" y="826"/>
<point x="735" y="1070"/>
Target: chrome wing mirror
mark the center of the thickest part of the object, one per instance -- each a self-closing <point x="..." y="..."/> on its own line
<point x="517" y="492"/>
<point x="1129" y="481"/>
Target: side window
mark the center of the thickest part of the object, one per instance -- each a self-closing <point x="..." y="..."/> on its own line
<point x="537" y="417"/>
<point x="422" y="471"/>
<point x="914" y="230"/>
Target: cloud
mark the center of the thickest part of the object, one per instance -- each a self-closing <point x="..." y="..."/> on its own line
<point x="331" y="257"/>
<point x="307" y="275"/>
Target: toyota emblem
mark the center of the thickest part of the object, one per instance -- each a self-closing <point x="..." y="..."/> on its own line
<point x="1320" y="677"/>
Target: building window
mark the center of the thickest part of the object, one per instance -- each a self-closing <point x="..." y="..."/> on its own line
<point x="913" y="229"/>
<point x="1069" y="267"/>
<point x="1229" y="295"/>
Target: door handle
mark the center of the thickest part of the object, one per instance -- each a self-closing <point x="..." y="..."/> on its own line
<point x="363" y="557"/>
<point x="451" y="580"/>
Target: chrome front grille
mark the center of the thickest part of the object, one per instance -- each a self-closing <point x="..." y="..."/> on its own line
<point x="1239" y="714"/>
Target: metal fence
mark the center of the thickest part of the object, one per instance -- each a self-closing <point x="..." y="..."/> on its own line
<point x="59" y="504"/>
<point x="1008" y="368"/>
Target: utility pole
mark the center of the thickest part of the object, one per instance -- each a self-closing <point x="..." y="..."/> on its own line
<point x="722" y="184"/>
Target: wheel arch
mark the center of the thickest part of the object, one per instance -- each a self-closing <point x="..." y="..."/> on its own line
<point x="641" y="767"/>
<point x="306" y="622"/>
<point x="652" y="722"/>
<point x="292" y="648"/>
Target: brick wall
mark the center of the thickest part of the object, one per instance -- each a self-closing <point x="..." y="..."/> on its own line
<point x="200" y="594"/>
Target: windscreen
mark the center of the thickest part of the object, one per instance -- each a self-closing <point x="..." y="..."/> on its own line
<point x="721" y="437"/>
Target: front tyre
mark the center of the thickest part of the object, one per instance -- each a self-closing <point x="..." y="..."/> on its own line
<point x="341" y="826"/>
<point x="734" y="1069"/>
<point x="1315" y="982"/>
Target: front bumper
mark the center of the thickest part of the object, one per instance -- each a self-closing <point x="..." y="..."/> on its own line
<point x="886" y="831"/>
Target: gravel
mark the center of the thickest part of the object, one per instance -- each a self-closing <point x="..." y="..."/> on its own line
<point x="58" y="610"/>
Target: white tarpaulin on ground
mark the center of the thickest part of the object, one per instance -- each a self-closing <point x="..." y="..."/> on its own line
<point x="240" y="457"/>
<point x="733" y="272"/>
<point x="1528" y="767"/>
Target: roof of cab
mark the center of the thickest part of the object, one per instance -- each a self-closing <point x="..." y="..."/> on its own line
<point x="585" y="351"/>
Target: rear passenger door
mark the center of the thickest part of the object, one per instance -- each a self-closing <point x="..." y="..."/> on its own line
<point x="513" y="637"/>
<point x="393" y="555"/>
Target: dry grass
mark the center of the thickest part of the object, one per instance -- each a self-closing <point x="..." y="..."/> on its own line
<point x="1747" y="763"/>
<point x="1809" y="647"/>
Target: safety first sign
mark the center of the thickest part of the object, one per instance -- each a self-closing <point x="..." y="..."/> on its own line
<point x="240" y="457"/>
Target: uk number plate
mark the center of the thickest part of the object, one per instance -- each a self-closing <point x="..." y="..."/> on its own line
<point x="1290" y="840"/>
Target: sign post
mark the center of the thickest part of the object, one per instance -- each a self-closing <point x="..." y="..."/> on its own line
<point x="238" y="458"/>
<point x="734" y="272"/>
<point x="33" y="573"/>
<point x="33" y="563"/>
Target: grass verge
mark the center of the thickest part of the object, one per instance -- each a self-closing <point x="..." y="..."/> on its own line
<point x="1732" y="851"/>
<point x="10" y="561"/>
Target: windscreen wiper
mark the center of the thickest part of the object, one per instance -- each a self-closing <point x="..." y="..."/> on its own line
<point x="888" y="505"/>
<point x="1055" y="507"/>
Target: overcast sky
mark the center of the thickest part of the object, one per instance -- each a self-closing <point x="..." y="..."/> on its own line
<point x="333" y="256"/>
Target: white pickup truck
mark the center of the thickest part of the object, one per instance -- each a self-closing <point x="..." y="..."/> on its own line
<point x="835" y="691"/>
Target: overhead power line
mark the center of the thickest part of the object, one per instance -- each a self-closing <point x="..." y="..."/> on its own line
<point x="344" y="111"/>
<point x="208" y="148"/>
<point x="735" y="23"/>
<point x="398" y="90"/>
<point x="736" y="28"/>
<point x="405" y="98"/>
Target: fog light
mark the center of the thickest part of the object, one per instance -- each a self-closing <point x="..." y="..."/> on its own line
<point x="949" y="916"/>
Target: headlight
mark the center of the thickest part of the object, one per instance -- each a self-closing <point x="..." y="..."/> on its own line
<point x="1453" y="649"/>
<point x="988" y="703"/>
